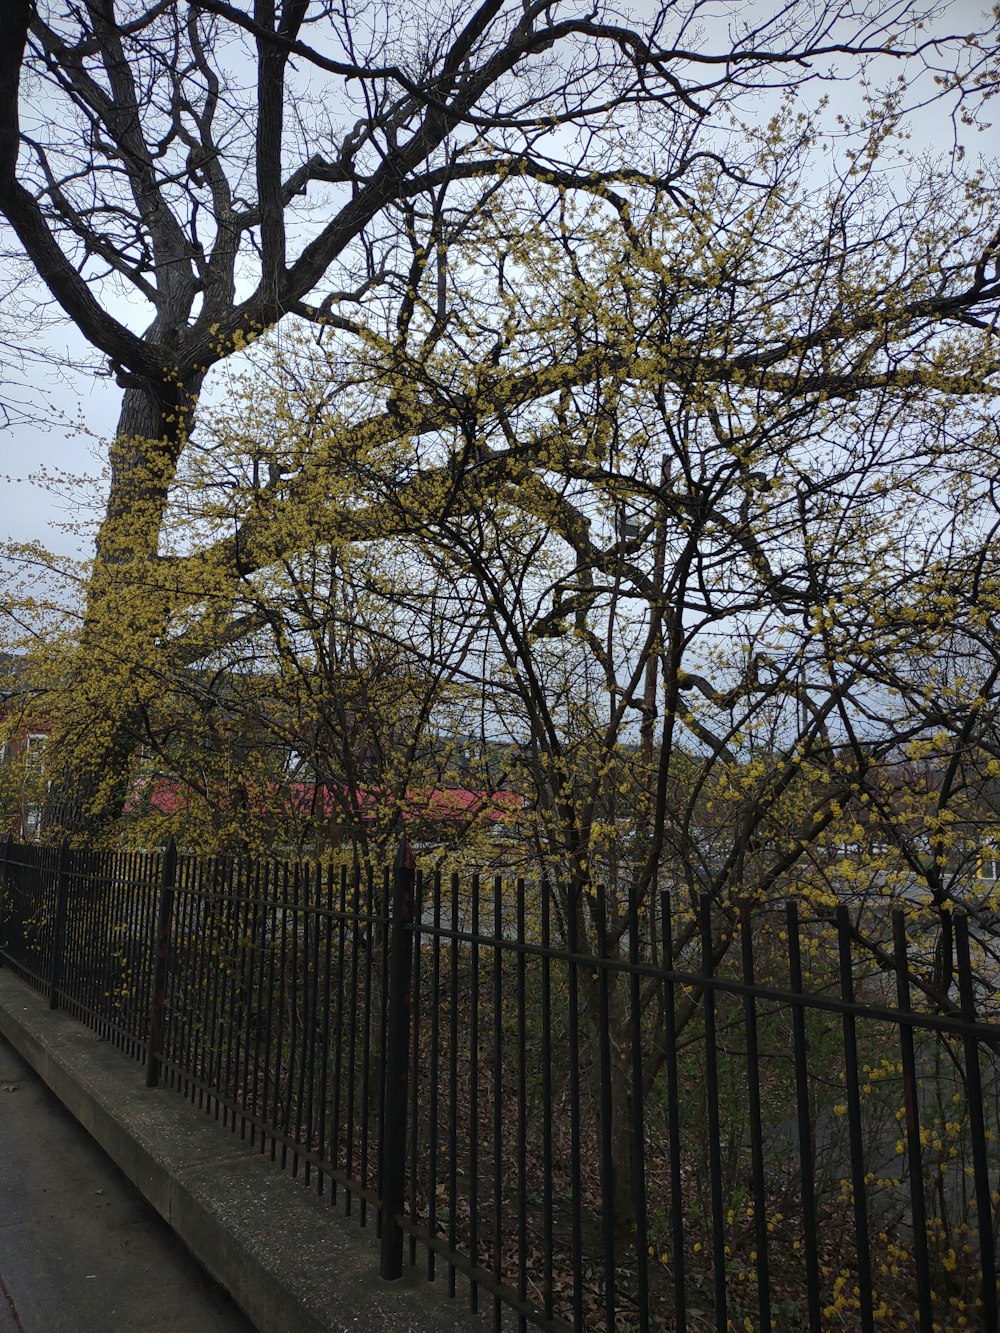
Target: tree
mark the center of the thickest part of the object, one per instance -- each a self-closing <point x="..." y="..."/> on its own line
<point x="336" y="724"/>
<point x="193" y="163"/>
<point x="796" y="530"/>
<point x="696" y="456"/>
<point x="714" y="516"/>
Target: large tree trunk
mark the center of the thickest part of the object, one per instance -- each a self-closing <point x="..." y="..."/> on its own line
<point x="129" y="602"/>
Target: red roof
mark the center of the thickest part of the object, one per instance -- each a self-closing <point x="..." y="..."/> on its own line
<point x="454" y="805"/>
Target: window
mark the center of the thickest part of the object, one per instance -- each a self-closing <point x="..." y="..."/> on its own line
<point x="34" y="753"/>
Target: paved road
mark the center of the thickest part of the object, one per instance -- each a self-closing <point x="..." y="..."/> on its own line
<point x="80" y="1250"/>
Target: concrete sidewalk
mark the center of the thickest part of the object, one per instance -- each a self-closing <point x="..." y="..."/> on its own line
<point x="80" y="1251"/>
<point x="292" y="1264"/>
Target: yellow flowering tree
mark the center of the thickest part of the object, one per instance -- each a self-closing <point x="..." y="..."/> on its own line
<point x="228" y="167"/>
<point x="680" y="506"/>
<point x="663" y="474"/>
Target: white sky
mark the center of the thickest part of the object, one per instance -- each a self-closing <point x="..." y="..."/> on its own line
<point x="31" y="511"/>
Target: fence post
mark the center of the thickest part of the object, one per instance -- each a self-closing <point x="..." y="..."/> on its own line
<point x="8" y="847"/>
<point x="393" y="1146"/>
<point x="161" y="952"/>
<point x="59" y="933"/>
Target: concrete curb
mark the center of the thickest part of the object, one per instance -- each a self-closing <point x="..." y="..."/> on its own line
<point x="289" y="1260"/>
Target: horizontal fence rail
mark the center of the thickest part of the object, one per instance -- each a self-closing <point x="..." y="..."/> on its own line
<point x="585" y="1112"/>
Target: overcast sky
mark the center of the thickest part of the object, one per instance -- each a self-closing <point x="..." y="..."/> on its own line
<point x="31" y="509"/>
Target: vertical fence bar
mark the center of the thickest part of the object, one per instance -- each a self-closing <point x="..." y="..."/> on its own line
<point x="132" y="919"/>
<point x="433" y="1076"/>
<point x="574" y="906"/>
<point x="303" y="1110"/>
<point x="5" y="858"/>
<point x="756" y="1130"/>
<point x="215" y="969"/>
<point x="855" y="1126"/>
<point x="366" y="1015"/>
<point x="161" y="953"/>
<point x="638" y="1124"/>
<point x="314" y="1016"/>
<point x="244" y="1000"/>
<point x="384" y="913"/>
<point x="338" y="1028"/>
<point x="279" y="1047"/>
<point x="270" y="888"/>
<point x="237" y="991"/>
<point x="714" y="1121"/>
<point x="324" y="1045"/>
<point x="474" y="1091"/>
<point x="607" y="1108"/>
<point x="284" y="1119"/>
<point x="112" y="917"/>
<point x="88" y="919"/>
<point x="265" y="981"/>
<point x="918" y="1210"/>
<point x="807" y="1187"/>
<point x="103" y="939"/>
<point x="148" y="899"/>
<point x="393" y="1148"/>
<point x="498" y="1116"/>
<point x="202" y="980"/>
<point x="135" y="926"/>
<point x="180" y="1018"/>
<point x="352" y="1035"/>
<point x="453" y="1082"/>
<point x="220" y="1004"/>
<point x="673" y="1117"/>
<point x="251" y="1025"/>
<point x="548" y="1233"/>
<point x="522" y="1105"/>
<point x="59" y="931"/>
<point x="78" y="953"/>
<point x="415" y="1062"/>
<point x="977" y="1127"/>
<point x="70" y="963"/>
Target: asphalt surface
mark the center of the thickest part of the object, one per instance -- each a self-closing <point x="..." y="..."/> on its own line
<point x="80" y="1250"/>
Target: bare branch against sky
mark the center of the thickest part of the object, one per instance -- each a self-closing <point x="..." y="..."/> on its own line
<point x="53" y="383"/>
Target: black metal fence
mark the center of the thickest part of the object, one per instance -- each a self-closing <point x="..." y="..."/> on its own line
<point x="659" y="1132"/>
